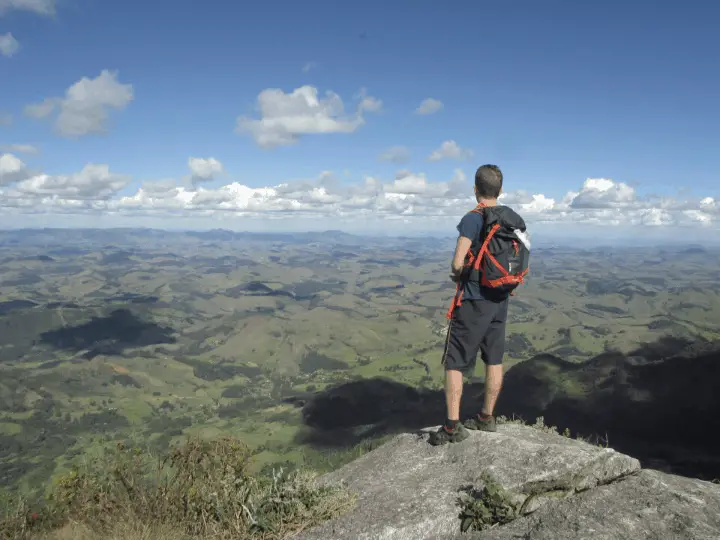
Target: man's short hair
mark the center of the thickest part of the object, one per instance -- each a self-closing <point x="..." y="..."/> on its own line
<point x="488" y="181"/>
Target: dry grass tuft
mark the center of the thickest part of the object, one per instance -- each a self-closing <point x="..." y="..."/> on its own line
<point x="199" y="490"/>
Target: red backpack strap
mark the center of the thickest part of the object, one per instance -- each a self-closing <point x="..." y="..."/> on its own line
<point x="483" y="249"/>
<point x="478" y="208"/>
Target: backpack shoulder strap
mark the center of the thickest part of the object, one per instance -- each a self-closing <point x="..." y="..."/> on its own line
<point x="479" y="208"/>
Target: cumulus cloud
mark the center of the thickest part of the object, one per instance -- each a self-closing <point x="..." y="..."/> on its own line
<point x="655" y="217"/>
<point x="8" y="45"/>
<point x="409" y="196"/>
<point x="85" y="108"/>
<point x="41" y="7"/>
<point x="285" y="118"/>
<point x="429" y="106"/>
<point x="710" y="205"/>
<point x="204" y="169"/>
<point x="604" y="193"/>
<point x="20" y="148"/>
<point x="12" y="169"/>
<point x="450" y="150"/>
<point x="526" y="202"/>
<point x="395" y="154"/>
<point x="93" y="182"/>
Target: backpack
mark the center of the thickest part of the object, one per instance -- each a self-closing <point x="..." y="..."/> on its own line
<point x="502" y="259"/>
<point x="499" y="259"/>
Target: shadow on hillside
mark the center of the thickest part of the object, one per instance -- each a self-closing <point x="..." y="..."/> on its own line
<point x="110" y="335"/>
<point x="659" y="404"/>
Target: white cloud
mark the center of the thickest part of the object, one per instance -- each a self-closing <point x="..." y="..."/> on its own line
<point x="710" y="206"/>
<point x="395" y="154"/>
<point x="409" y="196"/>
<point x="285" y="118"/>
<point x="20" y="148"/>
<point x="85" y="108"/>
<point x="655" y="217"/>
<point x="204" y="169"/>
<point x="450" y="150"/>
<point x="308" y="66"/>
<point x="8" y="45"/>
<point x="603" y="193"/>
<point x="528" y="203"/>
<point x="429" y="106"/>
<point x="12" y="169"/>
<point x="41" y="7"/>
<point x="93" y="182"/>
<point x="6" y="120"/>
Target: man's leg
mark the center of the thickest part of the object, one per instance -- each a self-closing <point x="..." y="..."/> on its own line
<point x="492" y="349"/>
<point x="461" y="349"/>
<point x="453" y="393"/>
<point x="493" y="385"/>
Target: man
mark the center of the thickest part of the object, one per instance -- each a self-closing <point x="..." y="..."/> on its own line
<point x="477" y="324"/>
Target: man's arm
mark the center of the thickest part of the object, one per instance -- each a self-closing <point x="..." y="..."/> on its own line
<point x="461" y="249"/>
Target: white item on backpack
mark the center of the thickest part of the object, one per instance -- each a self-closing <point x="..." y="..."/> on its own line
<point x="524" y="237"/>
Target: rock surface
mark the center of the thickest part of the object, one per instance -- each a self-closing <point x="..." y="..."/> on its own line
<point x="408" y="489"/>
<point x="649" y="505"/>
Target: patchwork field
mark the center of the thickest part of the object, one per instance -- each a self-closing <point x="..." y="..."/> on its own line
<point x="153" y="336"/>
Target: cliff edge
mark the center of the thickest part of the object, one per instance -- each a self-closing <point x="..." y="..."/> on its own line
<point x="520" y="482"/>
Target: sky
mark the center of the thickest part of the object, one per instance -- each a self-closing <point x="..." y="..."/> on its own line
<point x="365" y="117"/>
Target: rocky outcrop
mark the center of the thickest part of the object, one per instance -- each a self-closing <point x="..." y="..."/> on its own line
<point x="647" y="505"/>
<point x="558" y="487"/>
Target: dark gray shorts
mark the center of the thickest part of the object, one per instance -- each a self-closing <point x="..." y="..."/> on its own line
<point x="476" y="326"/>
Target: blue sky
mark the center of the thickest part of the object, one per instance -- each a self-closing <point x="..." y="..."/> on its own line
<point x="553" y="92"/>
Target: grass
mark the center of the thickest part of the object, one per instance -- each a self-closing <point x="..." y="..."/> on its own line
<point x="121" y="531"/>
<point x="200" y="490"/>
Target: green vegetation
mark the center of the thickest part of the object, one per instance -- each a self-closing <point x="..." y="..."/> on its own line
<point x="106" y="335"/>
<point x="487" y="507"/>
<point x="202" y="489"/>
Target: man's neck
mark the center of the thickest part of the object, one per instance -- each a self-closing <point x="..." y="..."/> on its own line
<point x="487" y="202"/>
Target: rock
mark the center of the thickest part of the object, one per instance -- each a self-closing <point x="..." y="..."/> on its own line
<point x="648" y="505"/>
<point x="408" y="489"/>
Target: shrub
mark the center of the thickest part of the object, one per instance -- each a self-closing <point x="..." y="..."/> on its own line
<point x="19" y="519"/>
<point x="202" y="488"/>
<point x="488" y="507"/>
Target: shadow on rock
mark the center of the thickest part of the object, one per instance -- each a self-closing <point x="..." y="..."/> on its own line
<point x="658" y="404"/>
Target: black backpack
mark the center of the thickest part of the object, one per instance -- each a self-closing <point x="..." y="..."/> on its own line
<point x="499" y="259"/>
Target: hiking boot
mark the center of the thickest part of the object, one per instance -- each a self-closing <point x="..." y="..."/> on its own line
<point x="481" y="423"/>
<point x="444" y="435"/>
